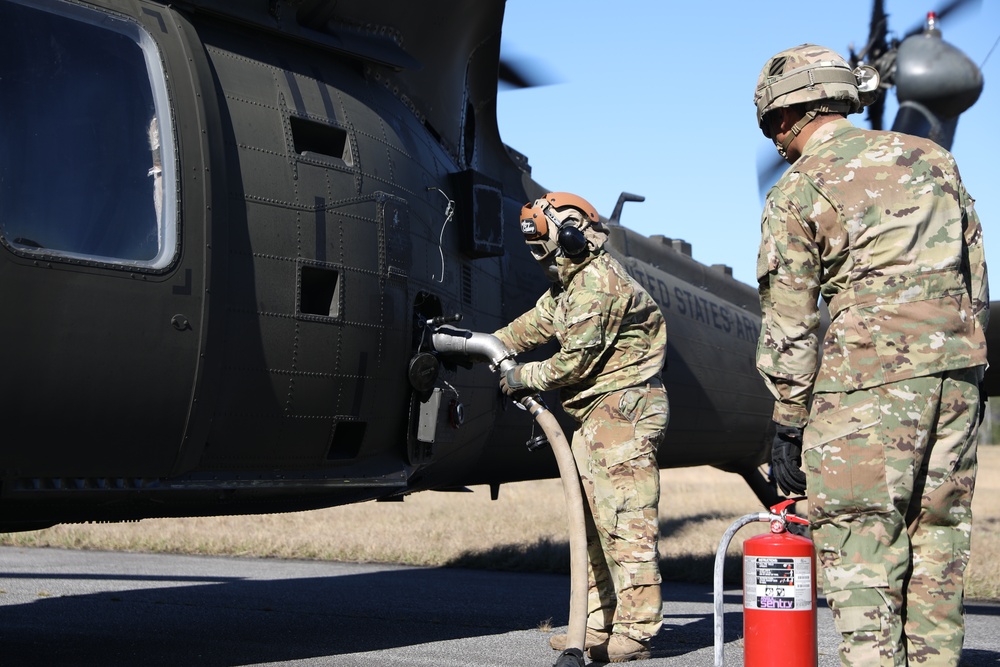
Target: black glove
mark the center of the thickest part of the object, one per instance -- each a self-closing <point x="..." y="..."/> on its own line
<point x="510" y="383"/>
<point x="786" y="460"/>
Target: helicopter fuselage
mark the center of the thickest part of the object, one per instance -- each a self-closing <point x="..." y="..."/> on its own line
<point x="224" y="229"/>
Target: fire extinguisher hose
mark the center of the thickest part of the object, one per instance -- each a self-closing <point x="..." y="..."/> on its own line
<point x="720" y="560"/>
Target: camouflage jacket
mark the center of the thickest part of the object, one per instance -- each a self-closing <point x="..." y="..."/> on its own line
<point x="611" y="334"/>
<point x="880" y="225"/>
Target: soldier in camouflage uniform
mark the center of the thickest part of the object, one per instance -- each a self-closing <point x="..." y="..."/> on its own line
<point x="612" y="343"/>
<point x="879" y="225"/>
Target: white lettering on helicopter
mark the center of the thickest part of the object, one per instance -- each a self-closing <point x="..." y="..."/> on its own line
<point x="723" y="317"/>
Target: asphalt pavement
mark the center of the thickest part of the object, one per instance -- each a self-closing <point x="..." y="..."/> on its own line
<point x="81" y="608"/>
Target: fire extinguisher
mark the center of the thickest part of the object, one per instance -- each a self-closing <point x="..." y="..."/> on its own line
<point x="779" y="593"/>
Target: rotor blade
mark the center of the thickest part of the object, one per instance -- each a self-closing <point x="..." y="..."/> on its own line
<point x="878" y="30"/>
<point x="522" y="73"/>
<point x="944" y="10"/>
<point x="875" y="112"/>
<point x="956" y="5"/>
<point x="770" y="166"/>
<point x="512" y="76"/>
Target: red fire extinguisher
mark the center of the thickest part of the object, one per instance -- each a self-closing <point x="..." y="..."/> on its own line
<point x="779" y="593"/>
<point x="779" y="596"/>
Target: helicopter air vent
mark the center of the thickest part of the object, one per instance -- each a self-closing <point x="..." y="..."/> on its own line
<point x="319" y="293"/>
<point x="345" y="443"/>
<point x="320" y="139"/>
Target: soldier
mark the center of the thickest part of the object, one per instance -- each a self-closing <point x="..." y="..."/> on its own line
<point x="879" y="225"/>
<point x="612" y="344"/>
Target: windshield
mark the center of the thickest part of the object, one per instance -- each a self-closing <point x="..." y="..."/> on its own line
<point x="86" y="148"/>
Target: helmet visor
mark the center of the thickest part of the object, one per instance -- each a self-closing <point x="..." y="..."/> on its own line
<point x="541" y="248"/>
<point x="765" y="124"/>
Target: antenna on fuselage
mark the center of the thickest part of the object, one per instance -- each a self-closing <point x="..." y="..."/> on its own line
<point x="622" y="198"/>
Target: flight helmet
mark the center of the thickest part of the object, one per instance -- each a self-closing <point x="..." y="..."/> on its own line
<point x="558" y="225"/>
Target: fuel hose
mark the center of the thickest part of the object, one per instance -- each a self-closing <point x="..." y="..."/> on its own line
<point x="451" y="340"/>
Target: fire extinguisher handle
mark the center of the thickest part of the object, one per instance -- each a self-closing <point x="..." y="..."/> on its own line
<point x="780" y="512"/>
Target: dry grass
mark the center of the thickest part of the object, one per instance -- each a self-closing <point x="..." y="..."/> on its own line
<point x="525" y="529"/>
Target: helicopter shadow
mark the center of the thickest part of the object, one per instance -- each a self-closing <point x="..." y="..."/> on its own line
<point x="222" y="612"/>
<point x="218" y="621"/>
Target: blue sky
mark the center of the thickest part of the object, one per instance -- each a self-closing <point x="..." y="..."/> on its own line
<point x="656" y="98"/>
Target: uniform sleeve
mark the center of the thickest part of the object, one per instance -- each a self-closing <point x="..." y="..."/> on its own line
<point x="531" y="329"/>
<point x="788" y="277"/>
<point x="979" y="287"/>
<point x="592" y="323"/>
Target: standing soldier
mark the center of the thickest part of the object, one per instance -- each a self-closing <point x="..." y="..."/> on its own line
<point x="612" y="344"/>
<point x="879" y="225"/>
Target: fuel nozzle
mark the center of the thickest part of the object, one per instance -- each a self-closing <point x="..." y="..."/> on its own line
<point x="444" y="319"/>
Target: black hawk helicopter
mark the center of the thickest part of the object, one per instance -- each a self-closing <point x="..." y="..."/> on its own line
<point x="935" y="82"/>
<point x="227" y="228"/>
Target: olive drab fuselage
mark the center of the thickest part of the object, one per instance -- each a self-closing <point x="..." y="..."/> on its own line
<point x="217" y="269"/>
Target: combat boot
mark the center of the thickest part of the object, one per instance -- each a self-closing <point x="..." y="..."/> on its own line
<point x="594" y="638"/>
<point x="620" y="649"/>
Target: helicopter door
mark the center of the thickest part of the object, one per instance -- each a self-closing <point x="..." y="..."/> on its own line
<point x="101" y="313"/>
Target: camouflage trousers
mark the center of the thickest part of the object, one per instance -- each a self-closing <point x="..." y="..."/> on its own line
<point x="615" y="451"/>
<point x="891" y="471"/>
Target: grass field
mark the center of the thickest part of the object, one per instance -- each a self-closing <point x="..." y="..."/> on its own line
<point x="525" y="529"/>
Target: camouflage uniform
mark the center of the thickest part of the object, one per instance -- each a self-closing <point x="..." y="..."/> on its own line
<point x="612" y="341"/>
<point x="880" y="225"/>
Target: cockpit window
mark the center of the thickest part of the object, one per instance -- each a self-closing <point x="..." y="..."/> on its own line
<point x="86" y="144"/>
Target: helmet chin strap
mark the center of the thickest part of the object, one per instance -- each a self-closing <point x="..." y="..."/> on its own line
<point x="794" y="132"/>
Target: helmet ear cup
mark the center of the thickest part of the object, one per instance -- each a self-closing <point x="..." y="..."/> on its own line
<point x="572" y="240"/>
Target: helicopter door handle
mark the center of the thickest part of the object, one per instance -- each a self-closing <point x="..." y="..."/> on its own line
<point x="180" y="322"/>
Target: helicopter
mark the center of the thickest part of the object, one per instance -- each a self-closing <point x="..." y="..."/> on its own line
<point x="934" y="81"/>
<point x="228" y="227"/>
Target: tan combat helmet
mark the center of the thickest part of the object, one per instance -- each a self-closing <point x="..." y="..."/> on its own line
<point x="814" y="76"/>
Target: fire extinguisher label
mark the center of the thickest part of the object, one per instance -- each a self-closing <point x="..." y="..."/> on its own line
<point x="777" y="583"/>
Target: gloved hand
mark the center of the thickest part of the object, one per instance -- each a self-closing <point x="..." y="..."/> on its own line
<point x="786" y="460"/>
<point x="510" y="383"/>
